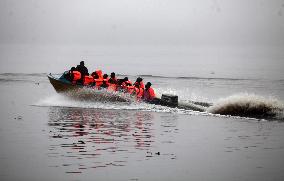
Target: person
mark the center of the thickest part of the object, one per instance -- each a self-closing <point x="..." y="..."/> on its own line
<point x="73" y="75"/>
<point x="100" y="73"/>
<point x="88" y="80"/>
<point x="126" y="82"/>
<point x="139" y="81"/>
<point x="105" y="83"/>
<point x="95" y="75"/>
<point x="68" y="75"/>
<point x="139" y="91"/>
<point x="97" y="79"/>
<point x="83" y="70"/>
<point x="149" y="93"/>
<point x="112" y="79"/>
<point x="127" y="85"/>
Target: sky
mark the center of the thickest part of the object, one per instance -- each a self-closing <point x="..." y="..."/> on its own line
<point x="232" y="38"/>
<point x="143" y="22"/>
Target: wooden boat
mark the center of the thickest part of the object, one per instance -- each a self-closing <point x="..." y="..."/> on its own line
<point x="62" y="85"/>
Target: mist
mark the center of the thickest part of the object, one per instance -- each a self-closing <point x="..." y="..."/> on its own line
<point x="158" y="22"/>
<point x="36" y="31"/>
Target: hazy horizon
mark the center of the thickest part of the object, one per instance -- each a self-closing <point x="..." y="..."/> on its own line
<point x="143" y="22"/>
<point x="184" y="36"/>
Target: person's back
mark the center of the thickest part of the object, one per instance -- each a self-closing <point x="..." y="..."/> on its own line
<point x="81" y="68"/>
<point x="105" y="83"/>
<point x="139" y="82"/>
<point x="149" y="93"/>
<point x="139" y="92"/>
<point x="112" y="79"/>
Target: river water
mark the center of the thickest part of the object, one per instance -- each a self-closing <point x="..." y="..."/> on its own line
<point x="47" y="136"/>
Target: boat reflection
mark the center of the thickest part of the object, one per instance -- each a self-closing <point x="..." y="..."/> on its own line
<point x="92" y="138"/>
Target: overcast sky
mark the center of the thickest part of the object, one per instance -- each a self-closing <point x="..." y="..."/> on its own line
<point x="108" y="22"/>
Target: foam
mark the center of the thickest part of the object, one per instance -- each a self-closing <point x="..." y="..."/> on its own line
<point x="249" y="105"/>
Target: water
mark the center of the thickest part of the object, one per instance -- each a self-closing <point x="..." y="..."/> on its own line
<point x="46" y="136"/>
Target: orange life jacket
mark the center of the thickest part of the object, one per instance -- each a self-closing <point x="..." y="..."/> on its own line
<point x="125" y="84"/>
<point x="130" y="89"/>
<point x="88" y="79"/>
<point x="100" y="73"/>
<point x="142" y="85"/>
<point x="149" y="94"/>
<point x="76" y="75"/>
<point x="139" y="92"/>
<point x="99" y="82"/>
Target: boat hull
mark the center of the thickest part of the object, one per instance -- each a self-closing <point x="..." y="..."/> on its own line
<point x="62" y="85"/>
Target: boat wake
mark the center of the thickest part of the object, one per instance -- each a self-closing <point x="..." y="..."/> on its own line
<point x="240" y="105"/>
<point x="94" y="95"/>
<point x="248" y="105"/>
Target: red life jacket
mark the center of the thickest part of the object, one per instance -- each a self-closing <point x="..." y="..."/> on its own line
<point x="128" y="83"/>
<point x="149" y="94"/>
<point x="76" y="75"/>
<point x="139" y="92"/>
<point x="99" y="82"/>
<point x="100" y="73"/>
<point x="88" y="79"/>
<point x="130" y="89"/>
<point x="125" y="84"/>
<point x="141" y="84"/>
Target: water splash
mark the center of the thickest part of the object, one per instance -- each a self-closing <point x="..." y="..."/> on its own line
<point x="248" y="105"/>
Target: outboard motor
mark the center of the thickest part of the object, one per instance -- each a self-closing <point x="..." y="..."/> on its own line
<point x="169" y="100"/>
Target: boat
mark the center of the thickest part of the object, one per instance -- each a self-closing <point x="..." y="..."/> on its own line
<point x="64" y="86"/>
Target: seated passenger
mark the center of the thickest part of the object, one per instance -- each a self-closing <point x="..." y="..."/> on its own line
<point x="119" y="85"/>
<point x="149" y="93"/>
<point x="139" y="81"/>
<point x="100" y="73"/>
<point x="88" y="80"/>
<point x="75" y="76"/>
<point x="138" y="91"/>
<point x="105" y="83"/>
<point x="112" y="79"/>
<point x="97" y="80"/>
<point x="68" y="75"/>
<point x="112" y="82"/>
<point x="127" y="85"/>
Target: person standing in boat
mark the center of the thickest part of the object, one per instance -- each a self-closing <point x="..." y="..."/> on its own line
<point x="149" y="93"/>
<point x="83" y="70"/>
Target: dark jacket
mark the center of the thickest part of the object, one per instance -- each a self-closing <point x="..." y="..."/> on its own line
<point x="83" y="70"/>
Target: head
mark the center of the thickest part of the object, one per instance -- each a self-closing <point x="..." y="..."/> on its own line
<point x="82" y="63"/>
<point x="125" y="79"/>
<point x="73" y="68"/>
<point x="105" y="76"/>
<point x="139" y="79"/>
<point x="95" y="75"/>
<point x="112" y="75"/>
<point x="148" y="85"/>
